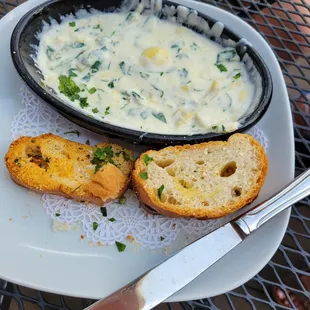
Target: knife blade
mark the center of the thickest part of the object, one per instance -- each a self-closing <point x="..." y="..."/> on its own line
<point x="175" y="272"/>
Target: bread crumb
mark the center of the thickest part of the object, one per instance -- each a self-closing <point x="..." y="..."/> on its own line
<point x="10" y="219"/>
<point x="91" y="243"/>
<point x="131" y="239"/>
<point x="82" y="237"/>
<point x="168" y="250"/>
<point x="99" y="243"/>
<point x="58" y="226"/>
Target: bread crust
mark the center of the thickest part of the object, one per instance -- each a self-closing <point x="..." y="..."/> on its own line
<point x="149" y="197"/>
<point x="50" y="164"/>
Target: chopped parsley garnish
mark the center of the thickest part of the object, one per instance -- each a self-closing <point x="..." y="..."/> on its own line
<point x="181" y="55"/>
<point x="103" y="211"/>
<point x="95" y="110"/>
<point x="83" y="103"/>
<point x="144" y="175"/>
<point x="86" y="78"/>
<point x="122" y="67"/>
<point x="161" y="92"/>
<point x="112" y="219"/>
<point x="102" y="156"/>
<point x="221" y="67"/>
<point x="162" y="238"/>
<point x="124" y="105"/>
<point x="228" y="55"/>
<point x="111" y="84"/>
<point x="72" y="73"/>
<point x="147" y="159"/>
<point x="16" y="161"/>
<point x="160" y="191"/>
<point x="77" y="45"/>
<point x="183" y="74"/>
<point x="237" y="76"/>
<point x="216" y="128"/>
<point x="72" y="24"/>
<point x="57" y="214"/>
<point x="144" y="114"/>
<point x="92" y="90"/>
<point x="122" y="200"/>
<point x="76" y="132"/>
<point x="127" y="155"/>
<point x="49" y="52"/>
<point x="96" y="27"/>
<point x="160" y="116"/>
<point x="120" y="246"/>
<point x="129" y="17"/>
<point x="87" y="142"/>
<point x="144" y="75"/>
<point x="103" y="153"/>
<point x="136" y="96"/>
<point x="125" y="95"/>
<point x="95" y="225"/>
<point x="79" y="54"/>
<point x="229" y="103"/>
<point x="129" y="70"/>
<point x="68" y="87"/>
<point x="107" y="111"/>
<point x="175" y="46"/>
<point x="95" y="66"/>
<point x="194" y="46"/>
<point x="161" y="73"/>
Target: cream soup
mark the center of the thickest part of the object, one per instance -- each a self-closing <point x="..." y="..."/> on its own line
<point x="144" y="73"/>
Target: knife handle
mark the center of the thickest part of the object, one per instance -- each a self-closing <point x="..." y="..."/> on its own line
<point x="297" y="190"/>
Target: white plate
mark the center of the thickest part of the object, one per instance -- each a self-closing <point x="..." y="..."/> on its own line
<point x="32" y="255"/>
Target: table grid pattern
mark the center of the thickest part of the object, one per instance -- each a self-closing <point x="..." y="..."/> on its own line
<point x="286" y="26"/>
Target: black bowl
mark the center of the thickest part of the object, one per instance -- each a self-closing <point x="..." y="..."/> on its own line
<point x="23" y="41"/>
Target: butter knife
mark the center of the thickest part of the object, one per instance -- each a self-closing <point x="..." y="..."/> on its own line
<point x="168" y="277"/>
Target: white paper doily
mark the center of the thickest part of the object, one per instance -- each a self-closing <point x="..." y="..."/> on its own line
<point x="152" y="231"/>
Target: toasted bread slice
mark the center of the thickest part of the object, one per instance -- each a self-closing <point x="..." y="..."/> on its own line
<point x="207" y="180"/>
<point x="51" y="164"/>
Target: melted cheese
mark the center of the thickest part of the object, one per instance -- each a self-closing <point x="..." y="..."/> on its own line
<point x="146" y="74"/>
